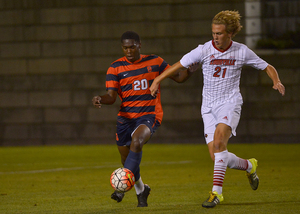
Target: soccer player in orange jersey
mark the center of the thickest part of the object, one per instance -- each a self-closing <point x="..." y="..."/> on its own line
<point x="140" y="113"/>
<point x="222" y="60"/>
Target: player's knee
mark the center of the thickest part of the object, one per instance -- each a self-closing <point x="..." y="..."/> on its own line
<point x="136" y="145"/>
<point x="219" y="144"/>
<point x="220" y="140"/>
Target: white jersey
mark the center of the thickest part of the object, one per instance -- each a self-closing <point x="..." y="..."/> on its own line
<point x="222" y="69"/>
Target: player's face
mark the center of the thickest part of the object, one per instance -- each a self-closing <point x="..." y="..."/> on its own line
<point x="131" y="49"/>
<point x="222" y="39"/>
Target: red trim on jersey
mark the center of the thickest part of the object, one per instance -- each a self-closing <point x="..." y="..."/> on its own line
<point x="220" y="49"/>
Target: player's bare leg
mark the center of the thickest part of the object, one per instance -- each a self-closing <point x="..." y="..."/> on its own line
<point x="124" y="151"/>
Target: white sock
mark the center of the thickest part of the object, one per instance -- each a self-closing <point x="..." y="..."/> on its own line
<point x="249" y="166"/>
<point x="139" y="186"/>
<point x="235" y="162"/>
<point x="221" y="162"/>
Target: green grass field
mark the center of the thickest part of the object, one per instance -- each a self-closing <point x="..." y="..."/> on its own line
<point x="75" y="179"/>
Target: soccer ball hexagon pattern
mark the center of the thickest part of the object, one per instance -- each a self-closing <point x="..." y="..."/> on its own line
<point x="122" y="179"/>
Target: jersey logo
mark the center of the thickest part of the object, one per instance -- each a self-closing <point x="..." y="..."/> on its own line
<point x="149" y="68"/>
<point x="222" y="62"/>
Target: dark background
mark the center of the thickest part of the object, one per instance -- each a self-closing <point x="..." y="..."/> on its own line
<point x="55" y="53"/>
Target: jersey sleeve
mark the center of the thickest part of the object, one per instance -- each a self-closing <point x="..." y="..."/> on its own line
<point x="251" y="59"/>
<point x="163" y="66"/>
<point x="192" y="57"/>
<point x="112" y="80"/>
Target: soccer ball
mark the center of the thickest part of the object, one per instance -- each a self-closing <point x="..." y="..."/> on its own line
<point x="122" y="179"/>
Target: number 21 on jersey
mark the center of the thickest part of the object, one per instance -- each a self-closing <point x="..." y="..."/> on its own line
<point x="219" y="72"/>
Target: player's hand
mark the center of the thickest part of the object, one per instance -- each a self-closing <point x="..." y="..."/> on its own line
<point x="280" y="87"/>
<point x="96" y="101"/>
<point x="154" y="88"/>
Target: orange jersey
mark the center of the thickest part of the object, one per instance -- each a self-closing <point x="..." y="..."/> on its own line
<point x="132" y="82"/>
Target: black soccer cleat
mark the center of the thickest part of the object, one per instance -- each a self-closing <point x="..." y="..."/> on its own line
<point x="117" y="196"/>
<point x="142" y="198"/>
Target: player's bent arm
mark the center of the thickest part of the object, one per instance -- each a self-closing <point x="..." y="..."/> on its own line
<point x="183" y="74"/>
<point x="109" y="98"/>
<point x="171" y="71"/>
<point x="273" y="74"/>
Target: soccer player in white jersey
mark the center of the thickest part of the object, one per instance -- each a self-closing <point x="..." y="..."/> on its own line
<point x="222" y="60"/>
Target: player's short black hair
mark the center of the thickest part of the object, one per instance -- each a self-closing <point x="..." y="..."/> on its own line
<point x="130" y="35"/>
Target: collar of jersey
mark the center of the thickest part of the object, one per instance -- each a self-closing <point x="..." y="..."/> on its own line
<point x="219" y="49"/>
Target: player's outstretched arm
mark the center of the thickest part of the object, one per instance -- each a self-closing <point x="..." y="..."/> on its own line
<point x="171" y="71"/>
<point x="109" y="98"/>
<point x="277" y="85"/>
<point x="184" y="73"/>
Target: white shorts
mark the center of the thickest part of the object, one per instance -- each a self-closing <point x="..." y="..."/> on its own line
<point x="228" y="113"/>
